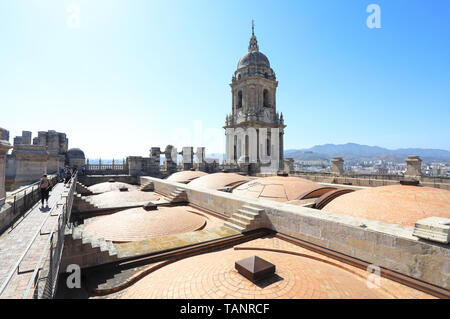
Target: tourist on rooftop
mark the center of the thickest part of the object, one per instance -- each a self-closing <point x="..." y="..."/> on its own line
<point x="67" y="175"/>
<point x="44" y="186"/>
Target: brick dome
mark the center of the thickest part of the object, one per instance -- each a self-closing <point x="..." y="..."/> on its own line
<point x="185" y="176"/>
<point x="397" y="204"/>
<point x="281" y="189"/>
<point x="138" y="224"/>
<point x="219" y="181"/>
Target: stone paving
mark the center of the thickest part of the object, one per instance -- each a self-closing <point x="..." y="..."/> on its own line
<point x="305" y="275"/>
<point x="14" y="241"/>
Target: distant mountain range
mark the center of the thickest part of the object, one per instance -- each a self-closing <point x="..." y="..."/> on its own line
<point x="353" y="151"/>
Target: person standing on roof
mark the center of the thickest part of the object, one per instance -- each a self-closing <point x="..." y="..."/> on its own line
<point x="44" y="186"/>
<point x="67" y="175"/>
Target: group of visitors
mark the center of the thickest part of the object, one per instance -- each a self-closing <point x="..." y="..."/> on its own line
<point x="45" y="184"/>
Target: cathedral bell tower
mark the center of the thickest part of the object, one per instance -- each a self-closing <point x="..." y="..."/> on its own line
<point x="253" y="89"/>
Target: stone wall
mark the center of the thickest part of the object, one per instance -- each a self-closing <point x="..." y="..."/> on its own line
<point x="89" y="180"/>
<point x="29" y="162"/>
<point x="374" y="181"/>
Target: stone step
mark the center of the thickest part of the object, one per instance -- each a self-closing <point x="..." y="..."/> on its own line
<point x="238" y="222"/>
<point x="248" y="213"/>
<point x="242" y="217"/>
<point x="235" y="227"/>
<point x="111" y="249"/>
<point x="76" y="233"/>
<point x="89" y="240"/>
<point x="253" y="209"/>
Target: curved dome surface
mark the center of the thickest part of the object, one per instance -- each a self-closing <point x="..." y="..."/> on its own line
<point x="75" y="153"/>
<point x="254" y="58"/>
<point x="397" y="204"/>
<point x="138" y="224"/>
<point x="219" y="180"/>
<point x="185" y="176"/>
<point x="303" y="275"/>
<point x="114" y="199"/>
<point x="110" y="187"/>
<point x="281" y="189"/>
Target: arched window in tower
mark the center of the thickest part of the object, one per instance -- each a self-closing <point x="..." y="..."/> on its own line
<point x="235" y="148"/>
<point x="266" y="101"/>
<point x="268" y="146"/>
<point x="247" y="146"/>
<point x="239" y="101"/>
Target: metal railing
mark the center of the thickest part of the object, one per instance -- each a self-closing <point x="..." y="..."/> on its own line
<point x="45" y="283"/>
<point x="29" y="197"/>
<point x="62" y="220"/>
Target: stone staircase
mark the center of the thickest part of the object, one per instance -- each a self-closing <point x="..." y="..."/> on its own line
<point x="83" y="190"/>
<point x="177" y="196"/>
<point x="83" y="204"/>
<point x="86" y="250"/>
<point x="247" y="218"/>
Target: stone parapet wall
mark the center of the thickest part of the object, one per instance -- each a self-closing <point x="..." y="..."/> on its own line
<point x="89" y="180"/>
<point x="372" y="182"/>
<point x="386" y="245"/>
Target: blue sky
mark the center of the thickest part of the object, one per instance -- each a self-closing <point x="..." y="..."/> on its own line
<point x="138" y="74"/>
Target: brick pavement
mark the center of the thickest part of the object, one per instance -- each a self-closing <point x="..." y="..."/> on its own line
<point x="137" y="224"/>
<point x="310" y="275"/>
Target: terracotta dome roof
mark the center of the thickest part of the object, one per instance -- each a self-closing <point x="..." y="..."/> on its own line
<point x="110" y="187"/>
<point x="398" y="204"/>
<point x="185" y="176"/>
<point x="111" y="199"/>
<point x="300" y="273"/>
<point x="219" y="180"/>
<point x="138" y="224"/>
<point x="281" y="189"/>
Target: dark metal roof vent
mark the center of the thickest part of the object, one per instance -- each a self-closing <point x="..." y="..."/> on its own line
<point x="150" y="206"/>
<point x="282" y="173"/>
<point x="410" y="182"/>
<point x="255" y="268"/>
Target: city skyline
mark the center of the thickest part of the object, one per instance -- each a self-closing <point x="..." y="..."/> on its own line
<point x="142" y="72"/>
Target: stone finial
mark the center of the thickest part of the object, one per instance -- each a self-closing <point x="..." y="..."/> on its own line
<point x="4" y="135"/>
<point x="4" y="148"/>
<point x="337" y="166"/>
<point x="288" y="164"/>
<point x="253" y="45"/>
<point x="413" y="166"/>
<point x="26" y="137"/>
<point x="188" y="156"/>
